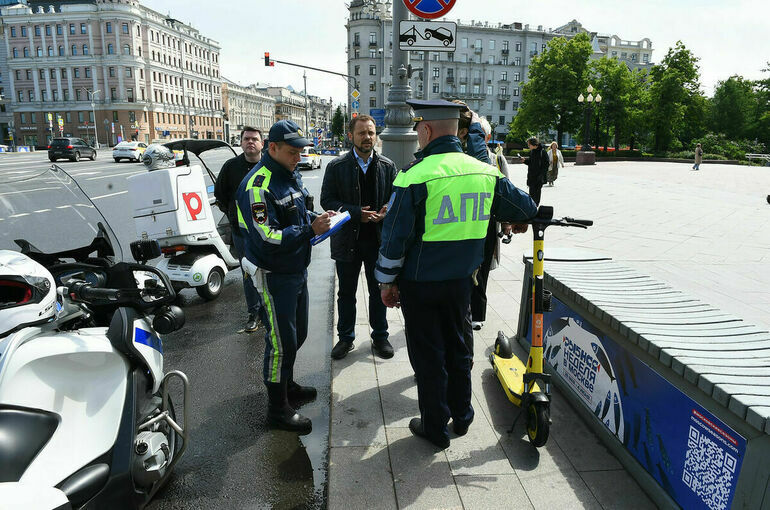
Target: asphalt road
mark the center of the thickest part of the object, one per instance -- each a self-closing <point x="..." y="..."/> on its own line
<point x="233" y="459"/>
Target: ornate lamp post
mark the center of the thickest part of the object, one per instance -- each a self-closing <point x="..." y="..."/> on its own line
<point x="586" y="156"/>
<point x="91" y="95"/>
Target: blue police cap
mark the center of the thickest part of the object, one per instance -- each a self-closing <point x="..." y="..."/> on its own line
<point x="289" y="132"/>
<point x="434" y="109"/>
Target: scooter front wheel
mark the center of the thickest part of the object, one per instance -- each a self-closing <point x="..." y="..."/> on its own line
<point x="538" y="423"/>
<point x="213" y="286"/>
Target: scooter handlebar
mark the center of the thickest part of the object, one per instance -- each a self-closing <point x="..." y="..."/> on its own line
<point x="83" y="291"/>
<point x="584" y="223"/>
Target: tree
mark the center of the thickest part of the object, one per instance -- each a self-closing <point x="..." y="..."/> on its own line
<point x="338" y="124"/>
<point x="734" y="108"/>
<point x="613" y="80"/>
<point x="556" y="78"/>
<point x="674" y="85"/>
<point x="762" y="122"/>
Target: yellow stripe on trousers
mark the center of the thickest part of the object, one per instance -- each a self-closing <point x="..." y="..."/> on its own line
<point x="274" y="333"/>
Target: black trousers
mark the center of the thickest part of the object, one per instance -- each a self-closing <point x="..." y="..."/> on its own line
<point x="479" y="292"/>
<point x="534" y="192"/>
<point x="347" y="275"/>
<point x="437" y="319"/>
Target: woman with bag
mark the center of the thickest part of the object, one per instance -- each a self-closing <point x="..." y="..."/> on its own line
<point x="555" y="158"/>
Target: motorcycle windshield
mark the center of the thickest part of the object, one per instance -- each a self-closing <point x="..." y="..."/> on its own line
<point x="49" y="210"/>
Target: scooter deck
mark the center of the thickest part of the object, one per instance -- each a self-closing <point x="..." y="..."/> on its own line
<point x="510" y="372"/>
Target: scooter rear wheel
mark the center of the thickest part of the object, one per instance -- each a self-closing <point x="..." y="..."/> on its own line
<point x="213" y="286"/>
<point x="538" y="423"/>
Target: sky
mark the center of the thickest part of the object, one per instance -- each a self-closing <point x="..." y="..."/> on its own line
<point x="728" y="36"/>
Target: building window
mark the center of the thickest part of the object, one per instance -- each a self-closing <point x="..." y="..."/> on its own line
<point x="477" y="44"/>
<point x="451" y="56"/>
<point x="372" y="86"/>
<point x="39" y="51"/>
<point x="436" y="72"/>
<point x="372" y="70"/>
<point x="633" y="57"/>
<point x="83" y="29"/>
<point x="44" y="95"/>
<point x="88" y="72"/>
<point x="74" y="50"/>
<point x="623" y="55"/>
<point x="464" y="42"/>
<point x="55" y="94"/>
<point x="504" y="61"/>
<point x="491" y="44"/>
<point x="85" y="49"/>
<point x="490" y="90"/>
<point x="91" y="116"/>
<point x="31" y="95"/>
<point x="13" y="31"/>
<point x="517" y="76"/>
<point x="502" y="105"/>
<point x="435" y="88"/>
<point x="63" y="72"/>
<point x="67" y="96"/>
<point x="37" y="29"/>
<point x="646" y="58"/>
<point x="128" y="72"/>
<point x="81" y="117"/>
<point x="372" y="102"/>
<point x="53" y="74"/>
<point x="114" y="116"/>
<point x="505" y="45"/>
<point x="504" y="75"/>
<point x="61" y="51"/>
<point x="517" y="61"/>
<point x="517" y="47"/>
<point x="463" y="88"/>
<point x="112" y="72"/>
<point x="24" y="31"/>
<point x="59" y="30"/>
<point x="357" y="54"/>
<point x="76" y="72"/>
<point x="130" y="95"/>
<point x="72" y="29"/>
<point x="16" y="53"/>
<point x="29" y="74"/>
<point x="23" y="118"/>
<point x="110" y="49"/>
<point x="18" y="74"/>
<point x="372" y="38"/>
<point x="126" y="49"/>
<point x="502" y="120"/>
<point x="491" y="59"/>
<point x="113" y="93"/>
<point x="109" y="27"/>
<point x="124" y="28"/>
<point x="515" y="105"/>
<point x="48" y="30"/>
<point x="516" y="91"/>
<point x="372" y="53"/>
<point x="21" y="96"/>
<point x="503" y="90"/>
<point x="42" y="74"/>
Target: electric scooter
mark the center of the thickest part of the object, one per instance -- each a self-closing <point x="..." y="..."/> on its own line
<point x="525" y="384"/>
<point x="173" y="207"/>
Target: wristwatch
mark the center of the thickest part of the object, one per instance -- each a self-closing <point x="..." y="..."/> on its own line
<point x="386" y="286"/>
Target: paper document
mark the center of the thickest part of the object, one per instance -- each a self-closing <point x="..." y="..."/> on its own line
<point x="336" y="223"/>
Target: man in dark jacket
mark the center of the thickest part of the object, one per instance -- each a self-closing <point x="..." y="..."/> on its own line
<point x="359" y="182"/>
<point x="228" y="180"/>
<point x="535" y="170"/>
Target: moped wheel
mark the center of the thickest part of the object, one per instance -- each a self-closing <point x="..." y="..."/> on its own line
<point x="213" y="286"/>
<point x="538" y="423"/>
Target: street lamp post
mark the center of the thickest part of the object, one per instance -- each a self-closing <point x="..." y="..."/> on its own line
<point x="586" y="156"/>
<point x="91" y="95"/>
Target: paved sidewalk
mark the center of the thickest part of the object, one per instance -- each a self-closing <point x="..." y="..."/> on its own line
<point x="688" y="228"/>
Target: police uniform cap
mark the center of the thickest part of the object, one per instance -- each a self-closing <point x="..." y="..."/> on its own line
<point x="289" y="132"/>
<point x="434" y="109"/>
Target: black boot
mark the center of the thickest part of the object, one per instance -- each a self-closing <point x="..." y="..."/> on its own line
<point x="299" y="394"/>
<point x="280" y="414"/>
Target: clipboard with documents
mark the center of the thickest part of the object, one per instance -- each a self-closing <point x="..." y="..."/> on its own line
<point x="336" y="223"/>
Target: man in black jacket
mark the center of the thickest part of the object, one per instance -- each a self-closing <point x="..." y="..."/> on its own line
<point x="360" y="183"/>
<point x="228" y="180"/>
<point x="537" y="166"/>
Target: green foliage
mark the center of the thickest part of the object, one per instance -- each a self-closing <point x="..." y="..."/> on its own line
<point x="613" y="80"/>
<point x="338" y="123"/>
<point x="734" y="108"/>
<point x="673" y="94"/>
<point x="720" y="144"/>
<point x="556" y="78"/>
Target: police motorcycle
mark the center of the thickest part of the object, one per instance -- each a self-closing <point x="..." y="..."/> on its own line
<point x="525" y="384"/>
<point x="172" y="205"/>
<point x="86" y="420"/>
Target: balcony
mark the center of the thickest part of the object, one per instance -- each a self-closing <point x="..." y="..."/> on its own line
<point x="503" y="97"/>
<point x="533" y="53"/>
<point x="462" y="95"/>
<point x="450" y="79"/>
<point x="357" y="44"/>
<point x="477" y="81"/>
<point x="463" y="79"/>
<point x="477" y="49"/>
<point x="372" y="44"/>
<point x="504" y="51"/>
<point x="503" y="80"/>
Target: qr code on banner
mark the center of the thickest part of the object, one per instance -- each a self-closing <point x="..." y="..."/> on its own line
<point x="709" y="470"/>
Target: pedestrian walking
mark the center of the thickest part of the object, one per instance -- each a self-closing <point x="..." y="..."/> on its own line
<point x="432" y="241"/>
<point x="555" y="161"/>
<point x="698" y="157"/>
<point x="360" y="182"/>
<point x="273" y="210"/>
<point x="537" y="168"/>
<point x="225" y="188"/>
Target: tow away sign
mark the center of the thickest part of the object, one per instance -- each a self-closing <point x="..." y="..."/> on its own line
<point x="427" y="35"/>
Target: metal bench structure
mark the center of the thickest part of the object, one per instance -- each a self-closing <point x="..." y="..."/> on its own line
<point x="765" y="157"/>
<point x="677" y="389"/>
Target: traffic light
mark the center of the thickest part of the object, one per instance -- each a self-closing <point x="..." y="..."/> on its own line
<point x="268" y="63"/>
<point x="355" y="114"/>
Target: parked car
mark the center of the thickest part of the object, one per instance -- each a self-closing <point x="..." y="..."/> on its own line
<point x="70" y="148"/>
<point x="309" y="158"/>
<point x="442" y="34"/>
<point x="132" y="151"/>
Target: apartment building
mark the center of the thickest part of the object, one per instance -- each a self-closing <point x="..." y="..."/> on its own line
<point x="246" y="106"/>
<point x="115" y="70"/>
<point x="487" y="69"/>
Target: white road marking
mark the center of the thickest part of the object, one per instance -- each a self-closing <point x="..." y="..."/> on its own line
<point x="109" y="195"/>
<point x="19" y="215"/>
<point x="42" y="210"/>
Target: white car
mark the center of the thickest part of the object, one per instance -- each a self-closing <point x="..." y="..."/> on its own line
<point x="309" y="158"/>
<point x="132" y="151"/>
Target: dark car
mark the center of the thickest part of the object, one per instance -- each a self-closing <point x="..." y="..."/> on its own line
<point x="442" y="34"/>
<point x="410" y="36"/>
<point x="70" y="148"/>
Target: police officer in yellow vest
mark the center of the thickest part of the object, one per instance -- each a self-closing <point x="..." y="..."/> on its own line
<point x="432" y="241"/>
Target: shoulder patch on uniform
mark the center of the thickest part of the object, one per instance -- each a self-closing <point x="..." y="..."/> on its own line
<point x="410" y="165"/>
<point x="259" y="180"/>
<point x="259" y="212"/>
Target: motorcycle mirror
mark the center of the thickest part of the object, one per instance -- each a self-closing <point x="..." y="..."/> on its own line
<point x="145" y="249"/>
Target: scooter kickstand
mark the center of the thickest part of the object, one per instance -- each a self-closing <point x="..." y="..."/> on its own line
<point x="513" y="425"/>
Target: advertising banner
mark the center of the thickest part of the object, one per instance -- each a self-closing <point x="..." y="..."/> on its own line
<point x="693" y="455"/>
